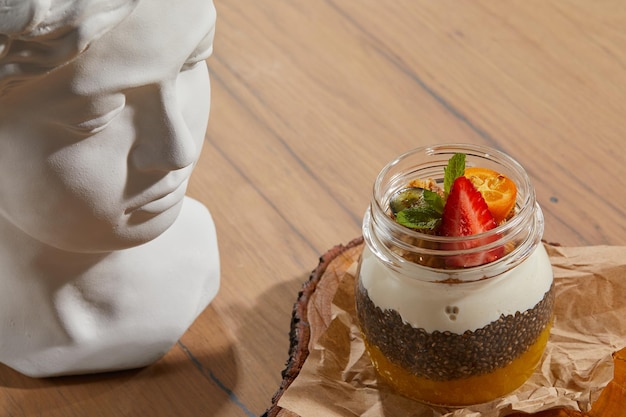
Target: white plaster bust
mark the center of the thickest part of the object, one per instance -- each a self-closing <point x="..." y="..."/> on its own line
<point x="104" y="263"/>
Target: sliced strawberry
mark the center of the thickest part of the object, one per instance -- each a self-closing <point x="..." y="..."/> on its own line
<point x="465" y="214"/>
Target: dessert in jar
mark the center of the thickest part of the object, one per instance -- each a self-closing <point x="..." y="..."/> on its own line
<point x="455" y="290"/>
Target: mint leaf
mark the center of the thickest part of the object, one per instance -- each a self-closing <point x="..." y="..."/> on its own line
<point x="455" y="169"/>
<point x="434" y="201"/>
<point x="421" y="209"/>
<point x="420" y="218"/>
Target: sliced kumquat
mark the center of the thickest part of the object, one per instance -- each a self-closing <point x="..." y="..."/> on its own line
<point x="498" y="191"/>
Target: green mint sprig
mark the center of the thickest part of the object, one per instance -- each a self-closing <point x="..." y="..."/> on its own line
<point x="455" y="169"/>
<point x="425" y="213"/>
<point x="419" y="218"/>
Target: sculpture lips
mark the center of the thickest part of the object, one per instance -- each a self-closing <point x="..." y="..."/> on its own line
<point x="162" y="202"/>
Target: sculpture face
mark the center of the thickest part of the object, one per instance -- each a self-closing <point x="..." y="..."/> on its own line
<point x="96" y="155"/>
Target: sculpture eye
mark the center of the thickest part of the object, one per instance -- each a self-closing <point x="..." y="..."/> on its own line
<point x="99" y="123"/>
<point x="94" y="122"/>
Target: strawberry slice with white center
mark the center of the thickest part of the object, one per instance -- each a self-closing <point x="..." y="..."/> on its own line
<point x="465" y="214"/>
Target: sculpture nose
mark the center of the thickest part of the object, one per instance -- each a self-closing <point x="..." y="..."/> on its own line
<point x="163" y="139"/>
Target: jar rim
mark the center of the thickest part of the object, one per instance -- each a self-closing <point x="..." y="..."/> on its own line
<point x="394" y="176"/>
<point x="524" y="186"/>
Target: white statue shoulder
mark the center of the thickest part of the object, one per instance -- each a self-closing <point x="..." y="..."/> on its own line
<point x="122" y="310"/>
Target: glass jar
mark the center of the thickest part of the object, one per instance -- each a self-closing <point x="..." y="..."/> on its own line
<point x="450" y="335"/>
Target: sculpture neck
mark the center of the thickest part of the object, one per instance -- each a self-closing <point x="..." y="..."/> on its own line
<point x="29" y="259"/>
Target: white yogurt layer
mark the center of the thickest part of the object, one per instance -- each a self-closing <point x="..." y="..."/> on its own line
<point x="457" y="307"/>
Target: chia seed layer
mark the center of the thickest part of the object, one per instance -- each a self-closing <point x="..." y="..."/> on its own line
<point x="443" y="356"/>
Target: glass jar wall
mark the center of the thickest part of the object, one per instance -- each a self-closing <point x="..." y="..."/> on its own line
<point x="445" y="334"/>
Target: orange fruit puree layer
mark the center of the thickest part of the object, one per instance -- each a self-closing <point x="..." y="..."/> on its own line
<point x="460" y="392"/>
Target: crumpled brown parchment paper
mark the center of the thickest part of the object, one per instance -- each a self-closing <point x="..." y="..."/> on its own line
<point x="338" y="380"/>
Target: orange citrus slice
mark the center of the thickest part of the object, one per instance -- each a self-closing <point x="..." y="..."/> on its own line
<point x="498" y="191"/>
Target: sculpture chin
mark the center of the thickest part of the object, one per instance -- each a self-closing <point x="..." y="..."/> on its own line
<point x="142" y="227"/>
<point x="131" y="230"/>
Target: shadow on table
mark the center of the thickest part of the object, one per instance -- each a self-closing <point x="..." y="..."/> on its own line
<point x="268" y="325"/>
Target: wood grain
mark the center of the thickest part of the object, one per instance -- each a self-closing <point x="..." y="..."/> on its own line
<point x="310" y="99"/>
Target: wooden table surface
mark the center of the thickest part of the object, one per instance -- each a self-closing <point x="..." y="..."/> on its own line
<point x="311" y="98"/>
